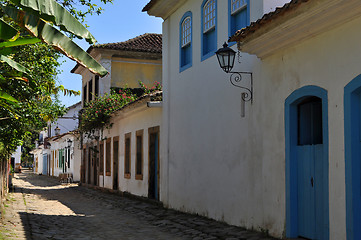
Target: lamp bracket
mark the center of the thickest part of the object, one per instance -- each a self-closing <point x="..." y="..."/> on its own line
<point x="236" y="80"/>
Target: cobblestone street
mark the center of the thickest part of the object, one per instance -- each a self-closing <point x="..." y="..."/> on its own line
<point x="42" y="208"/>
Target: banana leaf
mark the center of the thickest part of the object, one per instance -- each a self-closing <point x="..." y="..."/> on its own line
<point x="53" y="37"/>
<point x="7" y="97"/>
<point x="7" y="32"/>
<point x="13" y="64"/>
<point x="19" y="42"/>
<point x="51" y="11"/>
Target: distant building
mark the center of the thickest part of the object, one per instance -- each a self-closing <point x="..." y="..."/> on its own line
<point x="127" y="156"/>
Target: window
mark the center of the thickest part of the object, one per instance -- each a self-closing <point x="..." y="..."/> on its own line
<point x="84" y="94"/>
<point x="96" y="92"/>
<point x="139" y="156"/>
<point x="101" y="158"/>
<point x="127" y="155"/>
<point x="185" y="29"/>
<point x="310" y="121"/>
<point x="107" y="157"/>
<point x="90" y="90"/>
<point x="238" y="15"/>
<point x="209" y="27"/>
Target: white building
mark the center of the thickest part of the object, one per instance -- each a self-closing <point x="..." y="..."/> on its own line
<point x="52" y="155"/>
<point x="126" y="157"/>
<point x="16" y="159"/>
<point x="287" y="162"/>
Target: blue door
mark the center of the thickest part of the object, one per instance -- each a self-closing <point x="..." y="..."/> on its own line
<point x="45" y="164"/>
<point x="309" y="168"/>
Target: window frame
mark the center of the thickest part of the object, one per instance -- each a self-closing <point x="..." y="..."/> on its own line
<point x="108" y="159"/>
<point x="127" y="172"/>
<point x="183" y="47"/>
<point x="205" y="33"/>
<point x="139" y="176"/>
<point x="101" y="158"/>
<point x="233" y="14"/>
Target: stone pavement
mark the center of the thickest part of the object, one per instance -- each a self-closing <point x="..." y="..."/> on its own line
<point x="42" y="208"/>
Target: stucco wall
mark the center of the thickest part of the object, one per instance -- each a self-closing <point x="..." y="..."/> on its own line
<point x="128" y="72"/>
<point x="213" y="167"/>
<point x="231" y="168"/>
<point x="133" y="120"/>
<point x="329" y="61"/>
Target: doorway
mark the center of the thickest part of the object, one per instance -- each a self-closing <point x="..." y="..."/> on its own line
<point x="115" y="162"/>
<point x="153" y="182"/>
<point x="307" y="164"/>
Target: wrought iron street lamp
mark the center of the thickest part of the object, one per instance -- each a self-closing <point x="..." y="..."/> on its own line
<point x="226" y="57"/>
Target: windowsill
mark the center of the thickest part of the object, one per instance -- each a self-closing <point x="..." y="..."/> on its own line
<point x="108" y="173"/>
<point x="185" y="67"/>
<point x="208" y="55"/>
<point x="127" y="175"/>
<point x="139" y="177"/>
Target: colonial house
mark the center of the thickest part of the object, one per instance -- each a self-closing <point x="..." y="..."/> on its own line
<point x="282" y="154"/>
<point x="58" y="146"/>
<point x="126" y="156"/>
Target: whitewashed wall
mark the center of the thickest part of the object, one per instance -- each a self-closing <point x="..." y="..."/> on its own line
<point x="330" y="61"/>
<point x="231" y="168"/>
<point x="131" y="121"/>
<point x="215" y="162"/>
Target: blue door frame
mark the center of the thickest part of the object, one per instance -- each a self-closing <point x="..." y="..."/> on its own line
<point x="291" y="139"/>
<point x="352" y="105"/>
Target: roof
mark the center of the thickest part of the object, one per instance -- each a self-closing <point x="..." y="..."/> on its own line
<point x="146" y="43"/>
<point x="294" y="23"/>
<point x="163" y="8"/>
<point x="267" y="18"/>
<point x="149" y="5"/>
<point x="149" y="42"/>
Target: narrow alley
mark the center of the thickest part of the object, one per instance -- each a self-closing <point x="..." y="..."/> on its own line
<point x="42" y="208"/>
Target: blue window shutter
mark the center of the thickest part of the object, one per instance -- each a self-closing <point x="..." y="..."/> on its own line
<point x="239" y="20"/>
<point x="185" y="52"/>
<point x="209" y="38"/>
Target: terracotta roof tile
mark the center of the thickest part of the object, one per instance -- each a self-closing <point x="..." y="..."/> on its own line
<point x="149" y="42"/>
<point x="269" y="17"/>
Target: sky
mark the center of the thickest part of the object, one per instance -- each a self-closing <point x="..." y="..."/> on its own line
<point x="119" y="22"/>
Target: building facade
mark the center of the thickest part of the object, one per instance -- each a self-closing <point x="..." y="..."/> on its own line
<point x="126" y="157"/>
<point x="288" y="161"/>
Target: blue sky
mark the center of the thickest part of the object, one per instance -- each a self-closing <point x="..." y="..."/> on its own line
<point x="119" y="22"/>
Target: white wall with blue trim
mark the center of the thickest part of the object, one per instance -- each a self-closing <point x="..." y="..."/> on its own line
<point x="233" y="169"/>
<point x="216" y="163"/>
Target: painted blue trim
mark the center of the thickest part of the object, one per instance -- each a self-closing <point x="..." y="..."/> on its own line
<point x="231" y="18"/>
<point x="352" y="105"/>
<point x="188" y="65"/>
<point x="213" y="50"/>
<point x="291" y="155"/>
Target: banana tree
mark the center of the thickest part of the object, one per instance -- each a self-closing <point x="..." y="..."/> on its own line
<point x="46" y="21"/>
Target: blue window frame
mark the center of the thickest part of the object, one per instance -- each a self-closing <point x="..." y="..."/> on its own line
<point x="209" y="28"/>
<point x="239" y="15"/>
<point x="185" y="42"/>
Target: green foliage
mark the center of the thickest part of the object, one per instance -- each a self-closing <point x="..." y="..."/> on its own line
<point x="28" y="68"/>
<point x="82" y="8"/>
<point x="96" y="114"/>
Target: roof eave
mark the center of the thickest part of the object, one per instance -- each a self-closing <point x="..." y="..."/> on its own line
<point x="162" y="8"/>
<point x="294" y="25"/>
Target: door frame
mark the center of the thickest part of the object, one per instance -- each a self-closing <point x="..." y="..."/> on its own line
<point x="153" y="130"/>
<point x="352" y="105"/>
<point x="291" y="103"/>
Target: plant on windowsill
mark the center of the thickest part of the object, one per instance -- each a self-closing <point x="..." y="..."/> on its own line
<point x="97" y="113"/>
